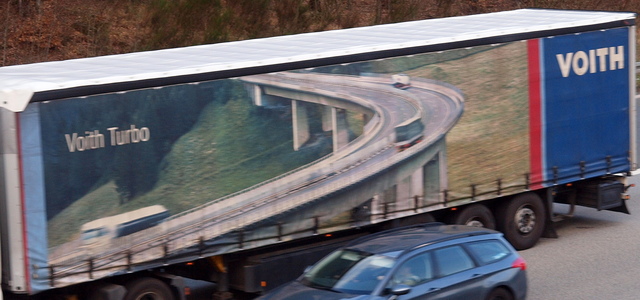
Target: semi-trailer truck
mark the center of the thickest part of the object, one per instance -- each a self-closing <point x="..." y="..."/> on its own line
<point x="241" y="163"/>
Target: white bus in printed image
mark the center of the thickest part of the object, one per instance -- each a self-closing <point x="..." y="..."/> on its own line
<point x="102" y="231"/>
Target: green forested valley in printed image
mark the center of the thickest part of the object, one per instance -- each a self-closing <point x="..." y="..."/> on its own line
<point x="206" y="141"/>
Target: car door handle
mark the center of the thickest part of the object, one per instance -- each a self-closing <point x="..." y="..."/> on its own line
<point x="433" y="289"/>
<point x="476" y="275"/>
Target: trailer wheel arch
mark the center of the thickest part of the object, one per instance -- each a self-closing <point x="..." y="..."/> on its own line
<point x="474" y="215"/>
<point x="522" y="219"/>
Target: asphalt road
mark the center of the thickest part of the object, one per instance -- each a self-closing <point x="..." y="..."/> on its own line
<point x="597" y="256"/>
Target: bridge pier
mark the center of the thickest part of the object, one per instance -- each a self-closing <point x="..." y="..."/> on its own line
<point x="416" y="187"/>
<point x="260" y="98"/>
<point x="340" y="128"/>
<point x="408" y="189"/>
<point x="432" y="181"/>
<point x="332" y="109"/>
<point x="327" y="118"/>
<point x="300" y="124"/>
<point x="334" y="119"/>
<point x="255" y="92"/>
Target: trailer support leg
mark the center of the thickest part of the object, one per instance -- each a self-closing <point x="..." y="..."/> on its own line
<point x="222" y="292"/>
<point x="221" y="277"/>
<point x="572" y="207"/>
<point x="549" y="226"/>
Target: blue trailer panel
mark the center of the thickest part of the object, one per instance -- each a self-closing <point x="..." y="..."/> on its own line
<point x="584" y="129"/>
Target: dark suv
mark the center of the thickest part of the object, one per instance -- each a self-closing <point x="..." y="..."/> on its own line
<point x="431" y="261"/>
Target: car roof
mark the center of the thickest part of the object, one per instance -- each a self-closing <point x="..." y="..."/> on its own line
<point x="411" y="237"/>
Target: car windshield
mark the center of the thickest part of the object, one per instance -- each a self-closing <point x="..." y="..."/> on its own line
<point x="349" y="271"/>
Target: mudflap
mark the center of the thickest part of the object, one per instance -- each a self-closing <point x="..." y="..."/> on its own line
<point x="622" y="208"/>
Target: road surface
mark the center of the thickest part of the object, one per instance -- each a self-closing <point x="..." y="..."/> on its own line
<point x="597" y="256"/>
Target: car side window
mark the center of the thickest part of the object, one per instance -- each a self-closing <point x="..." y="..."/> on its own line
<point x="414" y="271"/>
<point x="452" y="260"/>
<point x="489" y="251"/>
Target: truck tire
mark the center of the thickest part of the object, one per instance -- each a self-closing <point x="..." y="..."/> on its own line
<point x="522" y="220"/>
<point x="475" y="215"/>
<point x="148" y="289"/>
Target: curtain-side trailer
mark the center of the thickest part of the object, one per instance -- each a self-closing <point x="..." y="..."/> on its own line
<point x="123" y="174"/>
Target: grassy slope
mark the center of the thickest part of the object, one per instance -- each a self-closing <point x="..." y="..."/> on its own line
<point x="229" y="149"/>
<point x="491" y="139"/>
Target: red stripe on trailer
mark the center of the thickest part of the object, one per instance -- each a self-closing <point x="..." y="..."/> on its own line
<point x="535" y="114"/>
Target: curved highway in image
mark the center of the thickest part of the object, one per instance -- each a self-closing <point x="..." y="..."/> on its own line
<point x="437" y="105"/>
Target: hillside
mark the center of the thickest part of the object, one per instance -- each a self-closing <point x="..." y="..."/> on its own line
<point x="44" y="30"/>
<point x="231" y="145"/>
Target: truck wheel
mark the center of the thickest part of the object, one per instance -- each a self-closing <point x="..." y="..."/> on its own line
<point x="476" y="215"/>
<point x="148" y="289"/>
<point x="522" y="220"/>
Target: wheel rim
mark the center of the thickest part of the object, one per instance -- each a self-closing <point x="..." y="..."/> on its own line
<point x="525" y="219"/>
<point x="474" y="222"/>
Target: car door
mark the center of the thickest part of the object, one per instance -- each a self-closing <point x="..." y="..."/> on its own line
<point x="455" y="277"/>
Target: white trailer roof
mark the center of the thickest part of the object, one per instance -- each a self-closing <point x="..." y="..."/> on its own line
<point x="19" y="83"/>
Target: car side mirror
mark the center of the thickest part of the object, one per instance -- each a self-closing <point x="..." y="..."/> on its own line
<point x="399" y="290"/>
